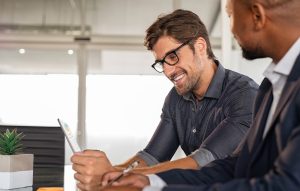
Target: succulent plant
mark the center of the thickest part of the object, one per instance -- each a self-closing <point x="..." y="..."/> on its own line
<point x="10" y="142"/>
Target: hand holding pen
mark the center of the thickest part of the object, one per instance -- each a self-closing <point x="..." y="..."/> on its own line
<point x="124" y="172"/>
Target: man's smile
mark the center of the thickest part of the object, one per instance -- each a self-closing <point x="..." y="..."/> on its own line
<point x="177" y="77"/>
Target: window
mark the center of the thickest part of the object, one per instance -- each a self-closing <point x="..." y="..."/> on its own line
<point x="123" y="112"/>
<point x="38" y="99"/>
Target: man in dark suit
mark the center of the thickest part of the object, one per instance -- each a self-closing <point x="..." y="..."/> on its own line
<point x="269" y="158"/>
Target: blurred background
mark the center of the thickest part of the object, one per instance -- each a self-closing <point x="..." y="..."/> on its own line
<point x="84" y="61"/>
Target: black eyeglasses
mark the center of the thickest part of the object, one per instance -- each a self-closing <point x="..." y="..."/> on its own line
<point x="171" y="58"/>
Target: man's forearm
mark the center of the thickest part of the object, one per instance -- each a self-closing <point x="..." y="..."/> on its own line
<point x="183" y="163"/>
<point x="124" y="165"/>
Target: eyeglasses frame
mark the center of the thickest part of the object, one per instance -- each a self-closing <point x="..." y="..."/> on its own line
<point x="170" y="52"/>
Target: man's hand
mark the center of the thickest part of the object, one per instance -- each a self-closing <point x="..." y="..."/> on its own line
<point x="130" y="179"/>
<point x="90" y="165"/>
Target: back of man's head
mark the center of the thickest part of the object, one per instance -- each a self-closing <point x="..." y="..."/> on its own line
<point x="284" y="10"/>
<point x="181" y="25"/>
<point x="261" y="25"/>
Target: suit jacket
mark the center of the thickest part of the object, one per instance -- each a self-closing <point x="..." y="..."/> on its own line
<point x="272" y="163"/>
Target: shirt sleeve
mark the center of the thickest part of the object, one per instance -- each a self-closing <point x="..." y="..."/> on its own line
<point x="225" y="138"/>
<point x="202" y="156"/>
<point x="164" y="141"/>
<point x="149" y="159"/>
<point x="156" y="183"/>
<point x="152" y="188"/>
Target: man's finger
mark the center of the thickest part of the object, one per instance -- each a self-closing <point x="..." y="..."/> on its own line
<point x="79" y="168"/>
<point x="110" y="176"/>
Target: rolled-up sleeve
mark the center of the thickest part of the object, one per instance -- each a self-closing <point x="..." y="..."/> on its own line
<point x="149" y="159"/>
<point x="202" y="156"/>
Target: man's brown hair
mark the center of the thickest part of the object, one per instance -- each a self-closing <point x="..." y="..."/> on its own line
<point x="181" y="25"/>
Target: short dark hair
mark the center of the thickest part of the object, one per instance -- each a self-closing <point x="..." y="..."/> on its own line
<point x="181" y="25"/>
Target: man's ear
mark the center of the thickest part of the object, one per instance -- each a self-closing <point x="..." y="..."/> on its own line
<point x="258" y="16"/>
<point x="200" y="45"/>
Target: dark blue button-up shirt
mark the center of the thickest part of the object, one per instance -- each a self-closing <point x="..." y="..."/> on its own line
<point x="208" y="129"/>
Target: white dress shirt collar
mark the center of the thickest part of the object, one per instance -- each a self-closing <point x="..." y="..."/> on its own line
<point x="285" y="65"/>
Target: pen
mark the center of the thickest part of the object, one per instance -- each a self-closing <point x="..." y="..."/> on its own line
<point x="124" y="172"/>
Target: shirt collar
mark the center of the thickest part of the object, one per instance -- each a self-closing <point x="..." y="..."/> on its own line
<point x="215" y="87"/>
<point x="285" y="65"/>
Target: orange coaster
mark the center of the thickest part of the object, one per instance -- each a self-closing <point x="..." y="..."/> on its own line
<point x="51" y="189"/>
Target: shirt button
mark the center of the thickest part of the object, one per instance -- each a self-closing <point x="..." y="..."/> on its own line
<point x="194" y="131"/>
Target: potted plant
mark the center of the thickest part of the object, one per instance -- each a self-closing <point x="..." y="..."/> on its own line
<point x="16" y="169"/>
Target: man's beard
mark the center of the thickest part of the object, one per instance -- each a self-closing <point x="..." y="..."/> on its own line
<point x="191" y="84"/>
<point x="253" y="54"/>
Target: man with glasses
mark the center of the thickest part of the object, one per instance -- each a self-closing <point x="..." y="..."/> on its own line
<point x="207" y="113"/>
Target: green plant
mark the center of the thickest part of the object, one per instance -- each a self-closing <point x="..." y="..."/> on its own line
<point x="10" y="142"/>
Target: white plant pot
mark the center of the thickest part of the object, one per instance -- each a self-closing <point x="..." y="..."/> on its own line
<point x="16" y="171"/>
